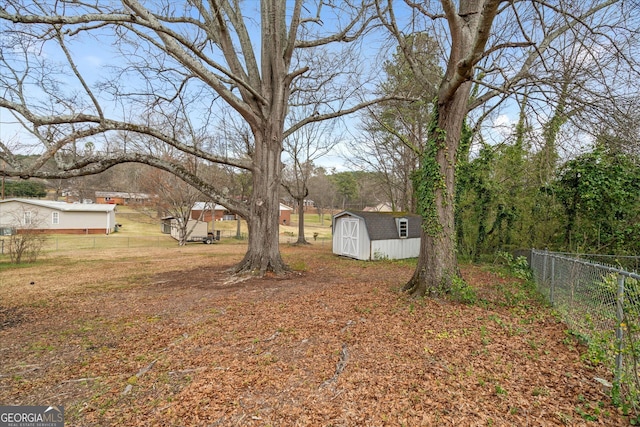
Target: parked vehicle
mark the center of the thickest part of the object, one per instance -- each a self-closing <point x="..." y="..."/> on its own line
<point x="208" y="239"/>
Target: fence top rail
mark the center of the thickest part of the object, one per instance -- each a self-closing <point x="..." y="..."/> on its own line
<point x="573" y="254"/>
<point x="563" y="256"/>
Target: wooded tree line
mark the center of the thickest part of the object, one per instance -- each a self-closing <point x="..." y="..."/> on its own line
<point x="568" y="182"/>
<point x="23" y="189"/>
<point x="232" y="84"/>
<point x="592" y="204"/>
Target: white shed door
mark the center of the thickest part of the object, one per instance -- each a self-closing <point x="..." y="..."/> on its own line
<point x="350" y="236"/>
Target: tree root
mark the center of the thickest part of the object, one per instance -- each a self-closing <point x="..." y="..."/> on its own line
<point x="340" y="366"/>
<point x="259" y="267"/>
<point x="140" y="373"/>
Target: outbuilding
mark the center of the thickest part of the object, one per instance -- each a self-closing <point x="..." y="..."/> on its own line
<point x="47" y="216"/>
<point x="376" y="235"/>
<point x="196" y="231"/>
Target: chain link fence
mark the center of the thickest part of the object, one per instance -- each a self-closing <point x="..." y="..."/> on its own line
<point x="52" y="243"/>
<point x="601" y="305"/>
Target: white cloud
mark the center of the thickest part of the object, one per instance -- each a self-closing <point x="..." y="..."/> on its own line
<point x="501" y="128"/>
<point x="503" y="122"/>
<point x="93" y="61"/>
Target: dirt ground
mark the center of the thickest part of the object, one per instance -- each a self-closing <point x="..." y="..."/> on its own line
<point x="166" y="337"/>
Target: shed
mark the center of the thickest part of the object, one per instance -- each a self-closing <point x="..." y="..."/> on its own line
<point x="285" y="214"/>
<point x="196" y="230"/>
<point x="49" y="216"/>
<point x="376" y="235"/>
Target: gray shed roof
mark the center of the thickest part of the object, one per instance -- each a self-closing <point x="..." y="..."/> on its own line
<point x="382" y="225"/>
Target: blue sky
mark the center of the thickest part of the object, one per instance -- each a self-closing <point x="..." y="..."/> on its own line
<point x="93" y="60"/>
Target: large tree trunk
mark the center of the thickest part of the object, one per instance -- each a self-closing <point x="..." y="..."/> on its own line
<point x="267" y="123"/>
<point x="437" y="268"/>
<point x="437" y="263"/>
<point x="263" y="253"/>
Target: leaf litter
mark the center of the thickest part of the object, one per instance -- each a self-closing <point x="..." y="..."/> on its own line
<point x="180" y="342"/>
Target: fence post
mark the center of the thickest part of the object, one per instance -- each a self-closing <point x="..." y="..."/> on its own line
<point x="552" y="285"/>
<point x="544" y="268"/>
<point x="619" y="328"/>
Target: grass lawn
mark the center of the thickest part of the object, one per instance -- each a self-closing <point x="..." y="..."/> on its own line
<point x="137" y="224"/>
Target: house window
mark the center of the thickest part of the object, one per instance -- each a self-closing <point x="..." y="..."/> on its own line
<point x="403" y="228"/>
<point x="55" y="217"/>
<point x="27" y="218"/>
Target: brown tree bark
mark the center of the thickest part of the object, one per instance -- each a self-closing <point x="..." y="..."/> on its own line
<point x="301" y="238"/>
<point x="263" y="252"/>
<point x="437" y="267"/>
<point x="437" y="262"/>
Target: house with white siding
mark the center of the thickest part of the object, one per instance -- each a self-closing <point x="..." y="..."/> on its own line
<point x="376" y="235"/>
<point x="49" y="216"/>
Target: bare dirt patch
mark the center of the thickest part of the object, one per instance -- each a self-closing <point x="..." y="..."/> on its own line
<point x="171" y="339"/>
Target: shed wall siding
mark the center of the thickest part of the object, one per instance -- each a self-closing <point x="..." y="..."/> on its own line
<point x="195" y="228"/>
<point x="395" y="249"/>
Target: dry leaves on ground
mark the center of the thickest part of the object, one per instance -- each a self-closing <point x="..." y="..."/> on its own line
<point x="171" y="339"/>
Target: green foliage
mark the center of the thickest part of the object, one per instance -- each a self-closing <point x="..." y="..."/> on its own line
<point x="24" y="189"/>
<point x="428" y="178"/>
<point x="403" y="78"/>
<point x="507" y="198"/>
<point x="380" y="256"/>
<point x="462" y="292"/>
<point x="600" y="193"/>
<point x="500" y="390"/>
<point x="518" y="267"/>
<point x="494" y="201"/>
<point x="600" y="348"/>
<point x="346" y="185"/>
<point x="397" y="126"/>
<point x="603" y="345"/>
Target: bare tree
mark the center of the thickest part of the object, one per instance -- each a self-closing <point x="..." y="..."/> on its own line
<point x="395" y="132"/>
<point x="191" y="60"/>
<point x="26" y="240"/>
<point x="496" y="45"/>
<point x="172" y="197"/>
<point x="303" y="148"/>
<point x="321" y="192"/>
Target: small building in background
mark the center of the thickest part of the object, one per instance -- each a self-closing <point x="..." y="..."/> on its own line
<point x="208" y="211"/>
<point x="380" y="207"/>
<point x="376" y="235"/>
<point x="122" y="198"/>
<point x="47" y="216"/>
<point x="196" y="231"/>
<point x="285" y="214"/>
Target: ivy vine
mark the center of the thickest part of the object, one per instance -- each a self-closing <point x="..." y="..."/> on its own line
<point x="428" y="178"/>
